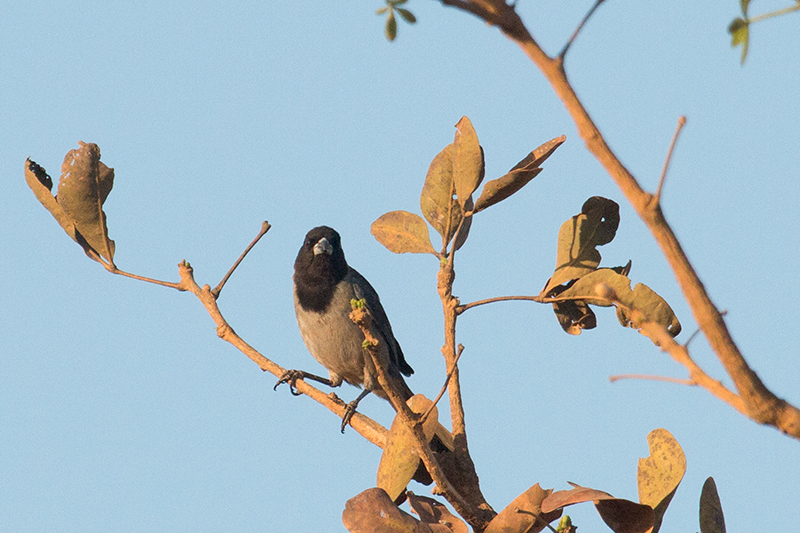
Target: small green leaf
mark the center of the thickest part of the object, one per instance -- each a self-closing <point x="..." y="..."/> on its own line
<point x="745" y="4"/>
<point x="468" y="164"/>
<point x="391" y="26"/>
<point x="401" y="232"/>
<point x="397" y="2"/>
<point x="740" y="35"/>
<point x="578" y="238"/>
<point x="711" y="518"/>
<point x="407" y="15"/>
<point x="382" y="10"/>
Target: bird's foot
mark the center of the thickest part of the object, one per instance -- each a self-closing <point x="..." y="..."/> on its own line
<point x="349" y="411"/>
<point x="291" y="376"/>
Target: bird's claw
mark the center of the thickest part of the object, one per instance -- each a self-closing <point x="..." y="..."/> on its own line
<point x="349" y="411"/>
<point x="289" y="377"/>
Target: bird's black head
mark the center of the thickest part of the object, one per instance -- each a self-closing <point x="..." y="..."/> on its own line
<point x="319" y="266"/>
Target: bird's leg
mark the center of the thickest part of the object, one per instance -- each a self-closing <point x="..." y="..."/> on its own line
<point x="350" y="408"/>
<point x="290" y="376"/>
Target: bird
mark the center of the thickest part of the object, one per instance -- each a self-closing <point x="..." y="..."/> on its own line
<point x="324" y="286"/>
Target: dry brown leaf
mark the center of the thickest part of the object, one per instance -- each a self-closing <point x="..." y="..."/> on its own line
<point x="401" y="232"/>
<point x="468" y="165"/>
<point x="372" y="511"/>
<point x="524" y="514"/>
<point x="435" y="513"/>
<point x="399" y="460"/>
<point x="711" y="518"/>
<point x="577" y="494"/>
<point x="660" y="474"/>
<point x="625" y="516"/>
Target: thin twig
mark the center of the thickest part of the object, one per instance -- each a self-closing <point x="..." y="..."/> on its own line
<point x="114" y="270"/>
<point x="771" y="14"/>
<point x="446" y="383"/>
<point x="578" y="29"/>
<point x="264" y="229"/>
<point x="688" y="382"/>
<point x="461" y="308"/>
<point x="662" y="179"/>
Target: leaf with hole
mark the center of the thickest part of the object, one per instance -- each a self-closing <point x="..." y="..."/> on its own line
<point x="660" y="474"/>
<point x="401" y="232"/>
<point x="579" y="238"/>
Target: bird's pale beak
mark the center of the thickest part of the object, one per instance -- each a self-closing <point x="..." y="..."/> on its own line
<point x="323" y="247"/>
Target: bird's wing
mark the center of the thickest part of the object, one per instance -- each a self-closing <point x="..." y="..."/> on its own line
<point x="363" y="290"/>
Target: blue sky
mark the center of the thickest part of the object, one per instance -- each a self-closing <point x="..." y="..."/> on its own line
<point x="120" y="410"/>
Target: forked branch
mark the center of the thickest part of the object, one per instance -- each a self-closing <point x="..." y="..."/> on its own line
<point x="760" y="404"/>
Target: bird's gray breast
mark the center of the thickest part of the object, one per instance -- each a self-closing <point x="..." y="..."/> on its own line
<point x="332" y="338"/>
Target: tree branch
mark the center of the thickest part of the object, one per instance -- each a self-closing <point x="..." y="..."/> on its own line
<point x="760" y="403"/>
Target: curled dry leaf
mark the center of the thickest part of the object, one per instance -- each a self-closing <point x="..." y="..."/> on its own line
<point x="372" y="511"/>
<point x="660" y="474"/>
<point x="436" y="514"/>
<point x="401" y="232"/>
<point x="579" y="237"/>
<point x="711" y="518"/>
<point x="523" y="172"/>
<point x="524" y="514"/>
<point x="641" y="298"/>
<point x="83" y="188"/>
<point x="468" y="163"/>
<point x="573" y="315"/>
<point x="622" y="516"/>
<point x="577" y="494"/>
